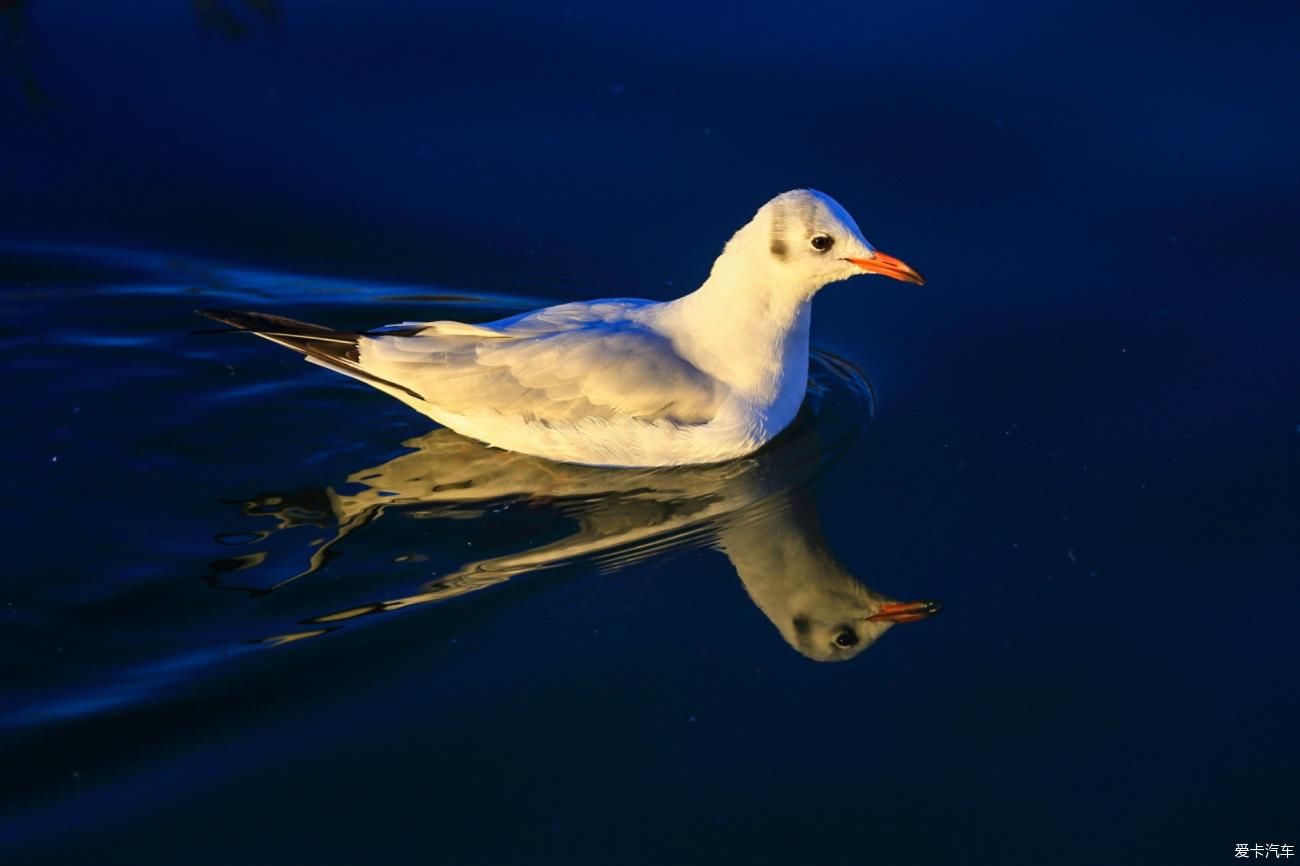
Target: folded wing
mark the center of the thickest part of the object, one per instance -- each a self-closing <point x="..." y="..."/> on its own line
<point x="563" y="364"/>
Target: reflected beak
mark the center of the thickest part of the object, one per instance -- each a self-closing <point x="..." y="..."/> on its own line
<point x="905" y="611"/>
<point x="880" y="263"/>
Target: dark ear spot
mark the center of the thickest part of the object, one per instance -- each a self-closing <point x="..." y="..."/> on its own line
<point x="802" y="625"/>
<point x="776" y="239"/>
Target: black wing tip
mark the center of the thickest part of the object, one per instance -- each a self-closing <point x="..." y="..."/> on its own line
<point x="228" y="317"/>
<point x="270" y="323"/>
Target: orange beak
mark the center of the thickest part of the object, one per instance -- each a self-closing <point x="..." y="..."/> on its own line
<point x="905" y="611"/>
<point x="880" y="263"/>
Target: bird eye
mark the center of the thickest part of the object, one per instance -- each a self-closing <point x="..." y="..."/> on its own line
<point x="846" y="639"/>
<point x="822" y="243"/>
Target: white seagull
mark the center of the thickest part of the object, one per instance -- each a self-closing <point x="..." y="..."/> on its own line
<point x="711" y="376"/>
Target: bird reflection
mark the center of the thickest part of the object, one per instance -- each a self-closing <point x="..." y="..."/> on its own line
<point x="758" y="512"/>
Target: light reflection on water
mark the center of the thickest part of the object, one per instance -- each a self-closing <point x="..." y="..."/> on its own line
<point x="757" y="512"/>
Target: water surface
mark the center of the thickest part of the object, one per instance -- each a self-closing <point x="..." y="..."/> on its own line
<point x="253" y="612"/>
<point x="245" y="586"/>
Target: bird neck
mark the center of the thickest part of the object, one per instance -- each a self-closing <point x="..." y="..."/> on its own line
<point x="746" y="328"/>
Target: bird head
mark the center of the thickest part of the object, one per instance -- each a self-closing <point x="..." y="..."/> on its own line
<point x="836" y="621"/>
<point x="805" y="239"/>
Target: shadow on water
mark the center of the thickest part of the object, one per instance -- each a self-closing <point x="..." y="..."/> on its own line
<point x="16" y="52"/>
<point x="230" y="20"/>
<point x="758" y="512"/>
<point x="234" y="20"/>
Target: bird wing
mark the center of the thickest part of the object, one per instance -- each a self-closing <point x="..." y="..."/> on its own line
<point x="561" y="364"/>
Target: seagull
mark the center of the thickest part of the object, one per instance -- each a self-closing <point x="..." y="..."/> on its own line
<point x="623" y="382"/>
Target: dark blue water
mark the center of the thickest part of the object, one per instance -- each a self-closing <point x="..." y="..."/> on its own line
<point x="253" y="612"/>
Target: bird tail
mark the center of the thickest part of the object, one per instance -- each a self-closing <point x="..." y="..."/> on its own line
<point x="336" y="350"/>
<point x="314" y="341"/>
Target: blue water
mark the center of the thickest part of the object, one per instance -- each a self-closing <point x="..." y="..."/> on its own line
<point x="251" y="611"/>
